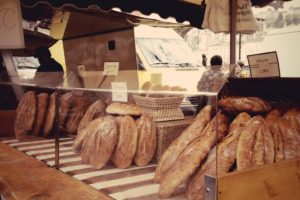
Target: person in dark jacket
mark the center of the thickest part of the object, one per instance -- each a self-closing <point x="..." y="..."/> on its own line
<point x="47" y="63"/>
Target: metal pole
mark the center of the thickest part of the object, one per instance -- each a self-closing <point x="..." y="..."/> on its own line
<point x="233" y="16"/>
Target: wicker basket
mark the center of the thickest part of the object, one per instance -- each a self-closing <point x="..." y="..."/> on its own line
<point x="161" y="109"/>
<point x="167" y="132"/>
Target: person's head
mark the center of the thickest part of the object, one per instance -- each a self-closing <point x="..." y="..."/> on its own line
<point x="42" y="53"/>
<point x="241" y="63"/>
<point x="216" y="61"/>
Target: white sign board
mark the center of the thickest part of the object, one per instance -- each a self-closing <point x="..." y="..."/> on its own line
<point x="11" y="28"/>
<point x="111" y="68"/>
<point x="119" y="91"/>
<point x="264" y="65"/>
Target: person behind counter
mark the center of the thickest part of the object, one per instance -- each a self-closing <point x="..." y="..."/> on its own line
<point x="212" y="80"/>
<point x="47" y="63"/>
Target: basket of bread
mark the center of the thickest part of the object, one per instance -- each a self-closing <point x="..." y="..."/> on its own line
<point x="161" y="102"/>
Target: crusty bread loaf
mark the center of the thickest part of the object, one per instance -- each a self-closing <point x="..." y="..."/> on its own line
<point x="76" y="113"/>
<point x="42" y="104"/>
<point x="147" y="140"/>
<point x="226" y="157"/>
<point x="50" y="115"/>
<point x="94" y="111"/>
<point x="189" y="160"/>
<point x="289" y="137"/>
<point x="269" y="148"/>
<point x="127" y="142"/>
<point x="99" y="145"/>
<point x="257" y="157"/>
<point x="244" y="104"/>
<point x="124" y="109"/>
<point x="25" y="114"/>
<point x="293" y="115"/>
<point x="278" y="141"/>
<point x="192" y="132"/>
<point x="247" y="142"/>
<point x="66" y="101"/>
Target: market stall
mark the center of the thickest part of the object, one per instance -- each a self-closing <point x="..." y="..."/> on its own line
<point x="132" y="141"/>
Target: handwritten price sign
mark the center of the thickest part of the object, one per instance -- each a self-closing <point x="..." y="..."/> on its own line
<point x="11" y="29"/>
<point x="119" y="91"/>
<point x="111" y="68"/>
<point x="264" y="65"/>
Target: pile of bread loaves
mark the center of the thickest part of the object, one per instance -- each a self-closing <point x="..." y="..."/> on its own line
<point x="35" y="114"/>
<point x="116" y="136"/>
<point x="214" y="145"/>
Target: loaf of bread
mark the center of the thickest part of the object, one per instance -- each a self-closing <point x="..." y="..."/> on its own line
<point x="293" y="115"/>
<point x="50" y="115"/>
<point x="189" y="160"/>
<point x="42" y="104"/>
<point x="124" y="109"/>
<point x="127" y="142"/>
<point x="226" y="157"/>
<point x="147" y="140"/>
<point x="66" y="101"/>
<point x="273" y="115"/>
<point x="99" y="144"/>
<point x="76" y="113"/>
<point x="192" y="132"/>
<point x="247" y="142"/>
<point x="25" y="114"/>
<point x="290" y="138"/>
<point x="244" y="104"/>
<point x="94" y="111"/>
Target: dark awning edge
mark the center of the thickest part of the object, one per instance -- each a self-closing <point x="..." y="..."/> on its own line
<point x="181" y="11"/>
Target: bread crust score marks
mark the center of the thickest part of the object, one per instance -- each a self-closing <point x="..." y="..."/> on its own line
<point x="192" y="132"/>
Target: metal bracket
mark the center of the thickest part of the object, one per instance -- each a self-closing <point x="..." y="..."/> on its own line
<point x="210" y="189"/>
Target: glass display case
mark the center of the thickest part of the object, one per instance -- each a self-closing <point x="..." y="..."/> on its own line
<point x="148" y="139"/>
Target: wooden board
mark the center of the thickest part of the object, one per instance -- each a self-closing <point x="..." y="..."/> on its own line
<point x="7" y="122"/>
<point x="274" y="182"/>
<point x="22" y="177"/>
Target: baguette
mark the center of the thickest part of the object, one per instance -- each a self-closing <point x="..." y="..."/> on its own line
<point x="66" y="102"/>
<point x="192" y="156"/>
<point x="124" y="109"/>
<point x="188" y="135"/>
<point x="226" y="157"/>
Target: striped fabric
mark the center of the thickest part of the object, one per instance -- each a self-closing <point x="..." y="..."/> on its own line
<point x="131" y="184"/>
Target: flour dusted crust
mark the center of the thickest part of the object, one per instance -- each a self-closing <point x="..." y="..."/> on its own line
<point x="192" y="132"/>
<point x="50" y="116"/>
<point x="127" y="143"/>
<point x="188" y="161"/>
<point x="147" y="140"/>
<point x="94" y="111"/>
<point x="42" y="104"/>
<point x="99" y="144"/>
<point x="25" y="114"/>
<point x="124" y="109"/>
<point x="226" y="157"/>
<point x="244" y="104"/>
<point x="246" y="143"/>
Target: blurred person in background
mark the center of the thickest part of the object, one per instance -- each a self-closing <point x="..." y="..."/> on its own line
<point x="47" y="63"/>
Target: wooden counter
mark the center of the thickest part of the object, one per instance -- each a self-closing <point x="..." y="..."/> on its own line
<point x="22" y="177"/>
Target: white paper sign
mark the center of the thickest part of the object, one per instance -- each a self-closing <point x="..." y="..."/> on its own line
<point x="81" y="70"/>
<point x="111" y="68"/>
<point x="119" y="91"/>
<point x="11" y="28"/>
<point x="264" y="65"/>
<point x="156" y="78"/>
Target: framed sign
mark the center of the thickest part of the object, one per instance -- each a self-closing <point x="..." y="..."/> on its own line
<point x="11" y="26"/>
<point x="264" y="65"/>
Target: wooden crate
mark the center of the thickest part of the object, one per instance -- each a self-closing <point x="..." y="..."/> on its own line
<point x="279" y="181"/>
<point x="7" y="122"/>
<point x="167" y="132"/>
